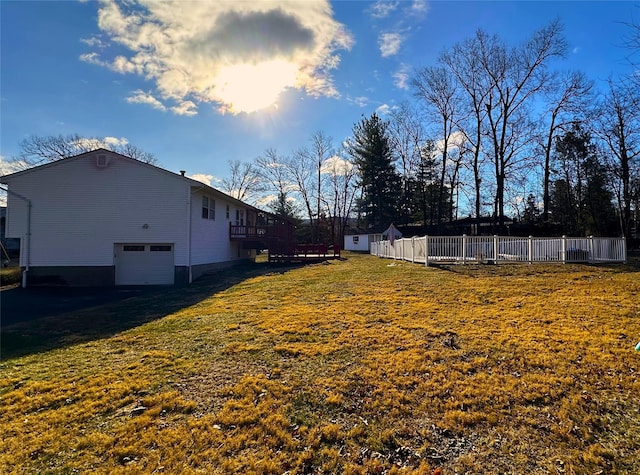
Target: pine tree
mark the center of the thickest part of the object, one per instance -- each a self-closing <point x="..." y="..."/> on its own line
<point x="378" y="178"/>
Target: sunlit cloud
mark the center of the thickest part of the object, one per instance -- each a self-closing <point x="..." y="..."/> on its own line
<point x="141" y="97"/>
<point x="202" y="178"/>
<point x="239" y="56"/>
<point x="389" y="44"/>
<point x="336" y="166"/>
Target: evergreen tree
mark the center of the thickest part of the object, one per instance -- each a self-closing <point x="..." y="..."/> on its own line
<point x="379" y="181"/>
<point x="531" y="214"/>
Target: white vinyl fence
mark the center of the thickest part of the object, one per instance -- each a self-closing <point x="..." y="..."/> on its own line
<point x="479" y="249"/>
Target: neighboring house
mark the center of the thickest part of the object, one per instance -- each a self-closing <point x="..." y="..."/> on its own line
<point x="102" y="219"/>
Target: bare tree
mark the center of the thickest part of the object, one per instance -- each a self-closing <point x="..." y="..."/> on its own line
<point x="464" y="62"/>
<point x="273" y="171"/>
<point x="244" y="183"/>
<point x="438" y="89"/>
<point x="618" y="126"/>
<point x="38" y="149"/>
<point x="516" y="76"/>
<point x="568" y="97"/>
<point x="340" y="196"/>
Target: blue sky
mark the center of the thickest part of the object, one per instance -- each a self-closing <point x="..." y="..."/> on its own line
<point x="173" y="79"/>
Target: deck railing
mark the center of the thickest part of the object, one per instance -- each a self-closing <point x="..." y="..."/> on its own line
<point x="259" y="232"/>
<point x="479" y="249"/>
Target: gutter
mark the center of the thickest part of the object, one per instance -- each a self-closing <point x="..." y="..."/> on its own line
<point x="25" y="272"/>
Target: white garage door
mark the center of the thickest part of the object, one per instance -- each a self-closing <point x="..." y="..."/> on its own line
<point x="144" y="264"/>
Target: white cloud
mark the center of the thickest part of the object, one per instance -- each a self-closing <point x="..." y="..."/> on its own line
<point x="141" y="97"/>
<point x="336" y="166"/>
<point x="360" y="101"/>
<point x="419" y="8"/>
<point x="389" y="44"/>
<point x="383" y="109"/>
<point x="185" y="108"/>
<point x="195" y="52"/>
<point x="93" y="42"/>
<point x="8" y="166"/>
<point x="202" y="178"/>
<point x="382" y="9"/>
<point x="401" y="77"/>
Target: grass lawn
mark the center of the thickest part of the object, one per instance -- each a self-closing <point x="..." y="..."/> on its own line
<point x="10" y="275"/>
<point x="360" y="365"/>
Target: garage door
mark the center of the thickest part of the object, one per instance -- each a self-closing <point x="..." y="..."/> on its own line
<point x="144" y="264"/>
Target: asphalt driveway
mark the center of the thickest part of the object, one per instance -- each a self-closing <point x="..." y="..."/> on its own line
<point x="23" y="305"/>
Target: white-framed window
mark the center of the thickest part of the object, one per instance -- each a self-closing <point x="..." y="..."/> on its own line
<point x="208" y="208"/>
<point x="227" y="211"/>
<point x="239" y="217"/>
<point x="356" y="239"/>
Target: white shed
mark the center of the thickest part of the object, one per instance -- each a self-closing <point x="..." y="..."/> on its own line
<point x="360" y="242"/>
<point x="101" y="218"/>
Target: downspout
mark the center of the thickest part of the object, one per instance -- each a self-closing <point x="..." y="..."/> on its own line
<point x="25" y="272"/>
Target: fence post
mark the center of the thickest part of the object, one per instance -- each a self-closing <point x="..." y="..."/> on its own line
<point x="563" y="249"/>
<point x="413" y="250"/>
<point x="402" y="244"/>
<point x="495" y="248"/>
<point x="530" y="249"/>
<point x="624" y="249"/>
<point x="464" y="248"/>
<point x="590" y="250"/>
<point x="426" y="251"/>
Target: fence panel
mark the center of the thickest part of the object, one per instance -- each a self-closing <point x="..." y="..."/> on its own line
<point x="502" y="249"/>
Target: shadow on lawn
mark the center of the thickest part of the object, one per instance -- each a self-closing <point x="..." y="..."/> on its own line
<point x="42" y="319"/>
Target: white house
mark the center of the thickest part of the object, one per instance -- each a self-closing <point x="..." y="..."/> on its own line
<point x="100" y="219"/>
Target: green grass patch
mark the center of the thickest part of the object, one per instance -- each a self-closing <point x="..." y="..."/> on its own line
<point x="355" y="366"/>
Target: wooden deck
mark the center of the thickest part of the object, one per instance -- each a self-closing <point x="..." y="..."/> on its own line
<point x="304" y="253"/>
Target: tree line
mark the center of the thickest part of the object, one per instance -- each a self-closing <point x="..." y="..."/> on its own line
<point x="495" y="132"/>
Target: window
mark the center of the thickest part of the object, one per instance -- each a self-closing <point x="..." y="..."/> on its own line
<point x="208" y="208"/>
<point x="163" y="248"/>
<point x="131" y="248"/>
<point x="239" y="217"/>
<point x="356" y="239"/>
<point x="227" y="211"/>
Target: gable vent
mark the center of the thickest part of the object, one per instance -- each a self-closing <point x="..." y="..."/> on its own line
<point x="102" y="161"/>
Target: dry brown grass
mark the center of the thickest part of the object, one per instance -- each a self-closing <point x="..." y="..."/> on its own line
<point x="356" y="366"/>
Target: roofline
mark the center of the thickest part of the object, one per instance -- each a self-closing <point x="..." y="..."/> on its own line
<point x="193" y="183"/>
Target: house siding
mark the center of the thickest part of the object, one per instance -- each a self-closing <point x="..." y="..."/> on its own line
<point x="79" y="211"/>
<point x="210" y="241"/>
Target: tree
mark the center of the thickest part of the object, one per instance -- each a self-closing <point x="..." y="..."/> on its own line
<point x="464" y="62"/>
<point x="617" y="124"/>
<point x="406" y="137"/>
<point x="38" y="149"/>
<point x="244" y="183"/>
<point x="516" y="76"/>
<point x="531" y="214"/>
<point x="438" y="89"/>
<point x="273" y="171"/>
<point x="378" y="178"/>
<point x="568" y="96"/>
<point x="586" y="197"/>
<point x="339" y="199"/>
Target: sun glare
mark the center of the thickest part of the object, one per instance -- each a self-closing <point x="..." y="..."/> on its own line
<point x="251" y="87"/>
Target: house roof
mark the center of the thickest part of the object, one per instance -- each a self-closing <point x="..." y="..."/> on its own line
<point x="5" y="179"/>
